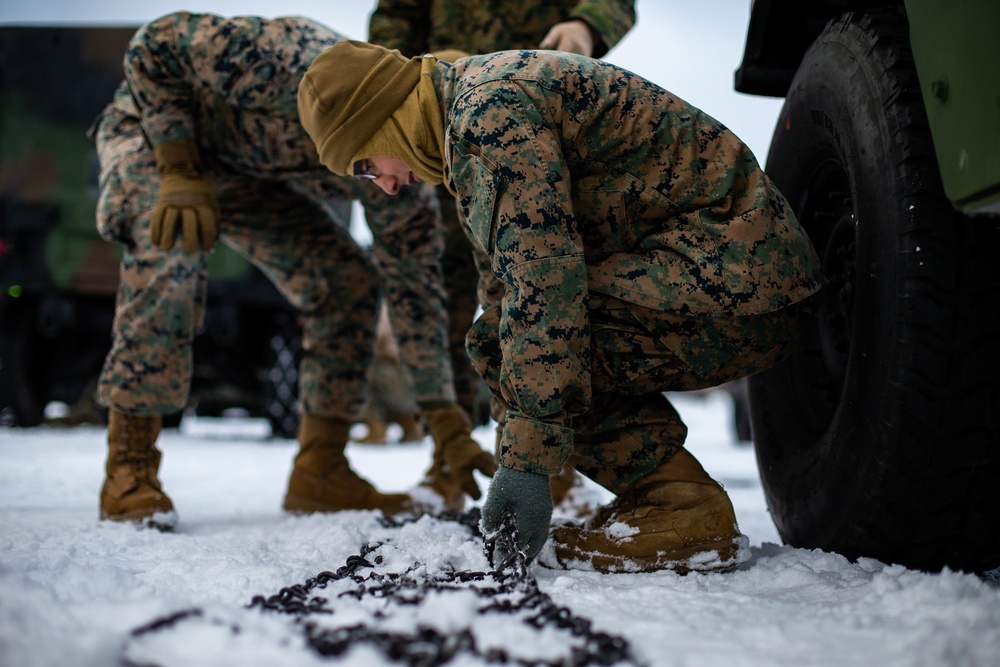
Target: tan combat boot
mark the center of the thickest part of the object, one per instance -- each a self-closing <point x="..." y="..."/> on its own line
<point x="322" y="479"/>
<point x="446" y="487"/>
<point x="677" y="518"/>
<point x="446" y="490"/>
<point x="378" y="432"/>
<point x="131" y="490"/>
<point x="413" y="428"/>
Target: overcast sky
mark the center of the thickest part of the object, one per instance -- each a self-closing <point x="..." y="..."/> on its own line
<point x="690" y="48"/>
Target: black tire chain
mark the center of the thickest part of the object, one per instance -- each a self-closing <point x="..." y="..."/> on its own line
<point x="513" y="589"/>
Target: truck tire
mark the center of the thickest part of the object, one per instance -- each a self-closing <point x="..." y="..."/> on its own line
<point x="879" y="436"/>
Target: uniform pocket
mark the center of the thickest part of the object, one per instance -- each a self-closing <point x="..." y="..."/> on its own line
<point x="478" y="182"/>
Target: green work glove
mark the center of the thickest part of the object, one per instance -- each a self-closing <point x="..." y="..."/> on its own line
<point x="528" y="497"/>
<point x="185" y="203"/>
<point x="457" y="452"/>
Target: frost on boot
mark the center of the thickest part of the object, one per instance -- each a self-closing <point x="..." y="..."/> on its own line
<point x="132" y="491"/>
<point x="677" y="518"/>
<point x="322" y="479"/>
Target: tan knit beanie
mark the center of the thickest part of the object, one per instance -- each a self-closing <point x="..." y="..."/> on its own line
<point x="348" y="93"/>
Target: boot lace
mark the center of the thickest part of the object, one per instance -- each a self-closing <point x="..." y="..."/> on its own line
<point x="143" y="460"/>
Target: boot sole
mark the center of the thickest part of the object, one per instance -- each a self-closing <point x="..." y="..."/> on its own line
<point x="719" y="556"/>
<point x="163" y="521"/>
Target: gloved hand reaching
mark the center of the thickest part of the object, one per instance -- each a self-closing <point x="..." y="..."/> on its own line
<point x="186" y="202"/>
<point x="456" y="456"/>
<point x="573" y="36"/>
<point x="528" y="496"/>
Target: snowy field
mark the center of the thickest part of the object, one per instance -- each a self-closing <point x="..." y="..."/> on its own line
<point x="75" y="591"/>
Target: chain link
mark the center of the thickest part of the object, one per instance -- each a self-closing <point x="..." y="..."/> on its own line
<point x="507" y="590"/>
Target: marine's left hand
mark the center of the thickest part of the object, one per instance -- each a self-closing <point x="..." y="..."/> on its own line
<point x="528" y="497"/>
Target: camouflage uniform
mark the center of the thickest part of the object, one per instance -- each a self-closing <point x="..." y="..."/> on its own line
<point x="230" y="85"/>
<point x="640" y="249"/>
<point x="415" y="27"/>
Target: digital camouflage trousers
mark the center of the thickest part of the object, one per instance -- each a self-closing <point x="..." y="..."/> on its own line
<point x="293" y="236"/>
<point x="637" y="354"/>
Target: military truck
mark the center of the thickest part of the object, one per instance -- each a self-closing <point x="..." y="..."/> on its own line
<point x="880" y="435"/>
<point x="58" y="277"/>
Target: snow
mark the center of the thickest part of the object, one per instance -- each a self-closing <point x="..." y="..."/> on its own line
<point x="74" y="590"/>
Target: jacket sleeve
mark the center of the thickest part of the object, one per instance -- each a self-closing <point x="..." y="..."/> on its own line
<point x="612" y="19"/>
<point x="246" y="60"/>
<point x="514" y="185"/>
<point x="401" y="24"/>
<point x="409" y="242"/>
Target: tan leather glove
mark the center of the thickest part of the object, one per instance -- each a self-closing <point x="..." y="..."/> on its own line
<point x="573" y="36"/>
<point x="186" y="203"/>
<point x="456" y="453"/>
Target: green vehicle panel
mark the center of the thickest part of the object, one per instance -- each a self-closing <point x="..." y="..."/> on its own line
<point x="955" y="49"/>
<point x="954" y="46"/>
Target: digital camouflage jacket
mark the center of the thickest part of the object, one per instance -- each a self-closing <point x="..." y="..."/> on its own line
<point x="416" y="27"/>
<point x="230" y="85"/>
<point x="577" y="177"/>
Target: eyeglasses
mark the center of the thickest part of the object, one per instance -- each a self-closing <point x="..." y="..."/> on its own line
<point x="363" y="170"/>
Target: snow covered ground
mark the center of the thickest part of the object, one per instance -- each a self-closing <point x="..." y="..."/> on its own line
<point x="75" y="591"/>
